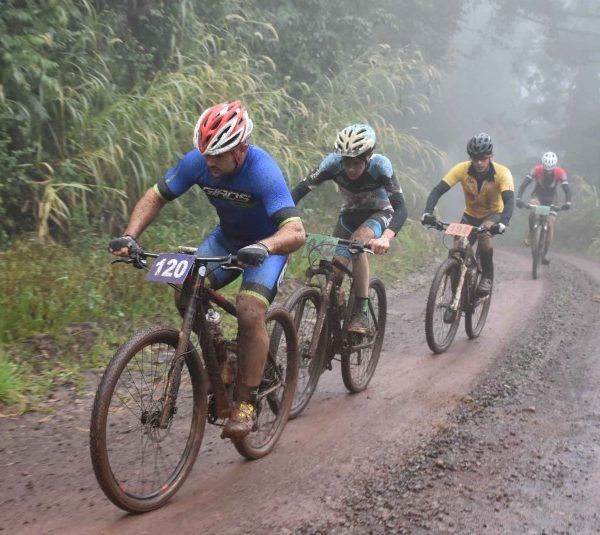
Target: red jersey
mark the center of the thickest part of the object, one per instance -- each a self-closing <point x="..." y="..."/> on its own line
<point x="546" y="183"/>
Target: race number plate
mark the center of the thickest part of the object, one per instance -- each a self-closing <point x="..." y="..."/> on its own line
<point x="170" y="268"/>
<point x="542" y="210"/>
<point x="459" y="230"/>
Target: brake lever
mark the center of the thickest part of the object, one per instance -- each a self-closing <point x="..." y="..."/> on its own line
<point x="139" y="262"/>
<point x="124" y="260"/>
<point x="232" y="268"/>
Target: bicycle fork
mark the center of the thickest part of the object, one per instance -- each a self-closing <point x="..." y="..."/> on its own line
<point x="461" y="281"/>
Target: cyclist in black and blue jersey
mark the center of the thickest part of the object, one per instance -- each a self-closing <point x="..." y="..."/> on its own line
<point x="373" y="210"/>
<point x="257" y="221"/>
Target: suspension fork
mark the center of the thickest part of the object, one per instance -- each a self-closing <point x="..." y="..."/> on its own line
<point x="174" y="375"/>
<point x="461" y="281"/>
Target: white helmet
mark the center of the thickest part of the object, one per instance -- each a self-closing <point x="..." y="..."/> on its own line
<point x="355" y="140"/>
<point x="549" y="161"/>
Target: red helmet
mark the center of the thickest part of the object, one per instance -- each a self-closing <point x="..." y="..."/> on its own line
<point x="222" y="128"/>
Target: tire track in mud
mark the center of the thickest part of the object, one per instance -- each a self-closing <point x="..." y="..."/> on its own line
<point x="321" y="457"/>
<point x="520" y="454"/>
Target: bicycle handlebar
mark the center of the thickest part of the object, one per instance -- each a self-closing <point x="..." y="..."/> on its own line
<point x="553" y="208"/>
<point x="442" y="225"/>
<point x="355" y="246"/>
<point x="138" y="259"/>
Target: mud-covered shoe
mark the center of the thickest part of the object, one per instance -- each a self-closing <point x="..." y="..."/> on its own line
<point x="241" y="421"/>
<point x="545" y="261"/>
<point x="359" y="323"/>
<point x="484" y="287"/>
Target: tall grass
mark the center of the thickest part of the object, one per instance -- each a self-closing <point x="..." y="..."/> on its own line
<point x="100" y="142"/>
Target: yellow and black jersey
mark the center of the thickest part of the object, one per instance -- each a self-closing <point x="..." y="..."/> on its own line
<point x="485" y="197"/>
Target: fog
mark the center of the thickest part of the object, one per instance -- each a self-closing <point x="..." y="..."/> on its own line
<point x="526" y="73"/>
<point x="524" y="78"/>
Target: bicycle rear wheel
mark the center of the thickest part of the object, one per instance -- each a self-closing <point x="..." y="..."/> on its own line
<point x="478" y="309"/>
<point x="360" y="357"/>
<point x="276" y="391"/>
<point x="138" y="465"/>
<point x="441" y="323"/>
<point x="304" y="305"/>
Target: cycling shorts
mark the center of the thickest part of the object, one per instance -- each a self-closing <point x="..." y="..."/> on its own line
<point x="348" y="222"/>
<point x="261" y="281"/>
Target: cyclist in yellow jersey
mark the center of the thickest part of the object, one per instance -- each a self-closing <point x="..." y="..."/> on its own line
<point x="489" y="199"/>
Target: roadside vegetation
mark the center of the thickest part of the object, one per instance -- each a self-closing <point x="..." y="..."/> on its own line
<point x="98" y="98"/>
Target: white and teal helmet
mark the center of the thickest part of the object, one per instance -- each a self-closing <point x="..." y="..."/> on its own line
<point x="355" y="140"/>
<point x="549" y="161"/>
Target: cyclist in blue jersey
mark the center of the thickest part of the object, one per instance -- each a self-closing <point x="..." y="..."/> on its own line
<point x="373" y="210"/>
<point x="257" y="221"/>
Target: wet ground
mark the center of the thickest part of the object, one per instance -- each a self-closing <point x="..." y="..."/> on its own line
<point x="497" y="435"/>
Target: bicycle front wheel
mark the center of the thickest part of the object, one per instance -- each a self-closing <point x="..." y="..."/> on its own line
<point x="360" y="357"/>
<point x="138" y="464"/>
<point x="536" y="246"/>
<point x="441" y="322"/>
<point x="304" y="305"/>
<point x="478" y="309"/>
<point x="276" y="391"/>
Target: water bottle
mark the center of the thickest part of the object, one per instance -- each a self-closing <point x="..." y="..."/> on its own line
<point x="215" y="331"/>
<point x="214" y="319"/>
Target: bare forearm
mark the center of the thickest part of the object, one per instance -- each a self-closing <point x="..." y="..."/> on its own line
<point x="389" y="234"/>
<point x="287" y="239"/>
<point x="145" y="211"/>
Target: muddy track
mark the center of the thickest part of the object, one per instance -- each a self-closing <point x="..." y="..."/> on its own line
<point x="445" y="443"/>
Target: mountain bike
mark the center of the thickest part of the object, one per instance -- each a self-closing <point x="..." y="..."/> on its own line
<point x="160" y="389"/>
<point x="454" y="289"/>
<point x="321" y="315"/>
<point x="540" y="235"/>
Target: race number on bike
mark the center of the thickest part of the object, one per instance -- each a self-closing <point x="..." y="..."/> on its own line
<point x="170" y="267"/>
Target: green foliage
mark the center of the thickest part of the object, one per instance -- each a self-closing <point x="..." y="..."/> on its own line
<point x="44" y="288"/>
<point x="98" y="99"/>
<point x="556" y="62"/>
<point x="579" y="228"/>
<point x="97" y="102"/>
<point x="11" y="382"/>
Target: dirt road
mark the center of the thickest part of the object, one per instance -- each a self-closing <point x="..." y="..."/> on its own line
<point x="496" y="433"/>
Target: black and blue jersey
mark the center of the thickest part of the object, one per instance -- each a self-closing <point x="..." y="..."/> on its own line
<point x="252" y="203"/>
<point x="376" y="190"/>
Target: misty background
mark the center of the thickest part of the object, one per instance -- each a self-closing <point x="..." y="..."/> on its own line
<point x="98" y="98"/>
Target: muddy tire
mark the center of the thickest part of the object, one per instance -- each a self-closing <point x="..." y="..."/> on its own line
<point x="361" y="355"/>
<point x="478" y="310"/>
<point x="441" y="323"/>
<point x="138" y="465"/>
<point x="276" y="392"/>
<point x="304" y="305"/>
<point x="536" y="251"/>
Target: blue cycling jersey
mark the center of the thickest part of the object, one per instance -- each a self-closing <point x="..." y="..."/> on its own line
<point x="252" y="203"/>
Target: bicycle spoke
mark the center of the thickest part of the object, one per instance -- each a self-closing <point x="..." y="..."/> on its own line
<point x="144" y="464"/>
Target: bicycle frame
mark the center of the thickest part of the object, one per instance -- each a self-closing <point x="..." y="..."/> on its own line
<point x="196" y="309"/>
<point x="329" y="307"/>
<point x="463" y="251"/>
<point x="326" y="268"/>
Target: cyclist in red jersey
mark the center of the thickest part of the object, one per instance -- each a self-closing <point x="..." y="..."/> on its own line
<point x="546" y="177"/>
